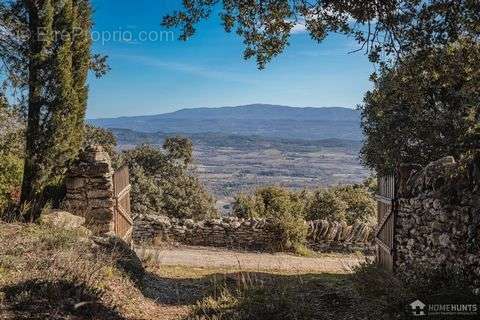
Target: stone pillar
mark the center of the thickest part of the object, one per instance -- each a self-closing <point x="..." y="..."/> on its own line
<point x="89" y="185"/>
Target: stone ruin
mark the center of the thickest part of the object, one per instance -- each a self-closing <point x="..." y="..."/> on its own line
<point x="89" y="185"/>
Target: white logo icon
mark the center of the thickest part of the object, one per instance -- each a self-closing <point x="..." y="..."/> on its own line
<point x="418" y="308"/>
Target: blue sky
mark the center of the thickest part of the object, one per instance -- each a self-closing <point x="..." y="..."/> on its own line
<point x="151" y="77"/>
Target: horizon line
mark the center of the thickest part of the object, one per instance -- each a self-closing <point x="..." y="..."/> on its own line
<point x="217" y="107"/>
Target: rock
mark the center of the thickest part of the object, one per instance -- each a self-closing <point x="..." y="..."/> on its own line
<point x="62" y="219"/>
<point x="95" y="194"/>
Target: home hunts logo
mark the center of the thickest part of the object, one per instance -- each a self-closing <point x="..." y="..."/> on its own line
<point x="418" y="308"/>
<point x="445" y="307"/>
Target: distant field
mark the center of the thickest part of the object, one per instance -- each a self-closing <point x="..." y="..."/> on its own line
<point x="227" y="171"/>
<point x="228" y="164"/>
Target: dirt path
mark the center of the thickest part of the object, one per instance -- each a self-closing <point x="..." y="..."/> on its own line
<point x="202" y="257"/>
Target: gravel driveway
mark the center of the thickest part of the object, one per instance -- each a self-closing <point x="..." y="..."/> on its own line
<point x="208" y="257"/>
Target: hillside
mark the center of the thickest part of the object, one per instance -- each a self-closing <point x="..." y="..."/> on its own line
<point x="243" y="142"/>
<point x="258" y="119"/>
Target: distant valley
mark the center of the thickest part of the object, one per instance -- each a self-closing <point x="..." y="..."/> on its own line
<point x="240" y="148"/>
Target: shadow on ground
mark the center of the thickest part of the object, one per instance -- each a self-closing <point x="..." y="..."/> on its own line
<point x="54" y="300"/>
<point x="250" y="295"/>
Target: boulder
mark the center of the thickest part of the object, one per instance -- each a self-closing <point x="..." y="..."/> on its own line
<point x="62" y="219"/>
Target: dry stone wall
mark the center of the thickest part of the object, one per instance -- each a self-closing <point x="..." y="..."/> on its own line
<point x="252" y="234"/>
<point x="438" y="222"/>
<point x="89" y="185"/>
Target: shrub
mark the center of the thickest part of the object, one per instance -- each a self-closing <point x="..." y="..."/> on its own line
<point x="292" y="232"/>
<point x="284" y="208"/>
<point x="11" y="170"/>
<point x="360" y="204"/>
<point x="267" y="202"/>
<point x="327" y="205"/>
<point x="146" y="195"/>
<point x="345" y="203"/>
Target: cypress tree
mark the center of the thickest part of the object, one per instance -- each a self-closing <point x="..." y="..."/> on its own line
<point x="58" y="66"/>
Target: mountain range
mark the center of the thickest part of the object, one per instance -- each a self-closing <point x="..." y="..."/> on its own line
<point x="271" y="121"/>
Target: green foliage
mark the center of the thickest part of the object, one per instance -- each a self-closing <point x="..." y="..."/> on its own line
<point x="351" y="204"/>
<point x="11" y="150"/>
<point x="179" y="149"/>
<point x="267" y="202"/>
<point x="327" y="205"/>
<point x="292" y="231"/>
<point x="11" y="169"/>
<point x="162" y="182"/>
<point x="343" y="203"/>
<point x="385" y="29"/>
<point x="58" y="60"/>
<point x="284" y="208"/>
<point x="146" y="194"/>
<point x="360" y="204"/>
<point x="423" y="109"/>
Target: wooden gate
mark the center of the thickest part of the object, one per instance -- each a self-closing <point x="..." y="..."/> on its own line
<point x="385" y="233"/>
<point x="123" y="223"/>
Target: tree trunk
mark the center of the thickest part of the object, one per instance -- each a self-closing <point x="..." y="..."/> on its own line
<point x="31" y="169"/>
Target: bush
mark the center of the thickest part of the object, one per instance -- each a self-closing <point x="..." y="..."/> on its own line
<point x="284" y="208"/>
<point x="292" y="232"/>
<point x="344" y="203"/>
<point x="360" y="203"/>
<point x="325" y="204"/>
<point x="267" y="202"/>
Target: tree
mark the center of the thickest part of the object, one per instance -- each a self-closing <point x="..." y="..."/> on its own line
<point x="179" y="148"/>
<point x="11" y="153"/>
<point x="383" y="28"/>
<point x="44" y="60"/>
<point x="163" y="184"/>
<point x="426" y="107"/>
<point x="360" y="204"/>
<point x="59" y="60"/>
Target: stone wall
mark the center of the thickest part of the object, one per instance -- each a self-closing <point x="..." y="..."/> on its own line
<point x="438" y="223"/>
<point x="252" y="234"/>
<point x="89" y="185"/>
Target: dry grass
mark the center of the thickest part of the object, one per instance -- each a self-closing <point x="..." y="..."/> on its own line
<point x="49" y="273"/>
<point x="241" y="295"/>
<point x="55" y="274"/>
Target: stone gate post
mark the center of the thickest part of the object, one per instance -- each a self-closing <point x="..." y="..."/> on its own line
<point x="89" y="185"/>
